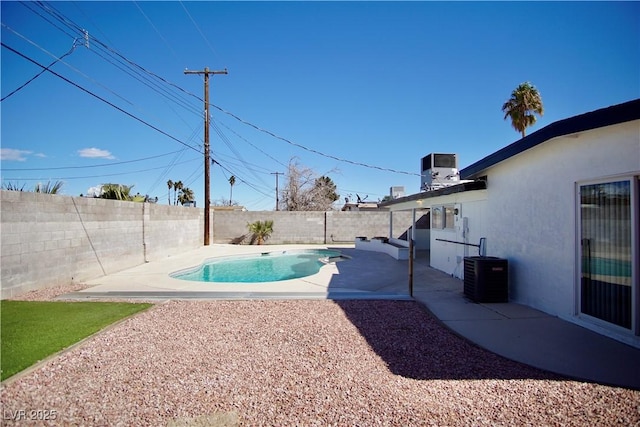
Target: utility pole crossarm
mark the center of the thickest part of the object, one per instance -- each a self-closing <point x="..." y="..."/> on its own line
<point x="206" y="71"/>
<point x="207" y="174"/>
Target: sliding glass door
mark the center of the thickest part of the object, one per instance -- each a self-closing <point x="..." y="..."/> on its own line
<point x="607" y="238"/>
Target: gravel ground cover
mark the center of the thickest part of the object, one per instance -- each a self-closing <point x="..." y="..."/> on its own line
<point x="280" y="363"/>
<point x="48" y="294"/>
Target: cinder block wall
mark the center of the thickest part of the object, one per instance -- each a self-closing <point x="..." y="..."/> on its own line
<point x="309" y="227"/>
<point x="48" y="240"/>
<point x="345" y="226"/>
<point x="169" y="230"/>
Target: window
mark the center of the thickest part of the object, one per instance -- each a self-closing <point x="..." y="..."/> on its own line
<point x="437" y="218"/>
<point x="443" y="217"/>
<point x="449" y="217"/>
<point x="606" y="240"/>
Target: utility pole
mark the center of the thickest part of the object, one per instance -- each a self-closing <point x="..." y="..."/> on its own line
<point x="276" y="174"/>
<point x="207" y="176"/>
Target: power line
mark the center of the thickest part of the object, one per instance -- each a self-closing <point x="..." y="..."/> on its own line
<point x="199" y="30"/>
<point x="100" y="98"/>
<point x="155" y="29"/>
<point x="91" y="166"/>
<point x="272" y="134"/>
<point x="244" y="165"/>
<point x="28" y="6"/>
<point x="70" y="24"/>
<point x="98" y="176"/>
<point x="166" y="170"/>
<point x="251" y="144"/>
<point x="41" y="72"/>
<point x="310" y="149"/>
<point x="65" y="63"/>
<point x="224" y="139"/>
<point x="243" y="181"/>
<point x="121" y="62"/>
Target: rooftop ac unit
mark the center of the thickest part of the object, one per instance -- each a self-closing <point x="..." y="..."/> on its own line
<point x="438" y="170"/>
<point x="396" y="192"/>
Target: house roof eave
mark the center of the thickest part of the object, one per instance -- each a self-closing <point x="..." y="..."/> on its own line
<point x="425" y="195"/>
<point x="608" y="116"/>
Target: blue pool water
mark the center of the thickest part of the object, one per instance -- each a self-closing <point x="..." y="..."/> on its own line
<point x="266" y="267"/>
<point x="606" y="266"/>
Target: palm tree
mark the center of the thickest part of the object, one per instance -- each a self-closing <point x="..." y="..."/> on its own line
<point x="13" y="186"/>
<point x="524" y="103"/>
<point x="170" y="185"/>
<point x="48" y="188"/>
<point x="261" y="230"/>
<point x="232" y="182"/>
<point x="116" y="192"/>
<point x="186" y="195"/>
<point x="178" y="185"/>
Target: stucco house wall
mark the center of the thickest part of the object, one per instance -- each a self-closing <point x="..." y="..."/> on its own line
<point x="533" y="209"/>
<point x="447" y="256"/>
<point x="528" y="209"/>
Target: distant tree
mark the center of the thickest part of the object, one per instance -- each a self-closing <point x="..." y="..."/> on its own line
<point x="232" y="181"/>
<point x="13" y="186"/>
<point x="524" y="104"/>
<point x="170" y="186"/>
<point x="324" y="192"/>
<point x="186" y="195"/>
<point x="178" y="185"/>
<point x="48" y="188"/>
<point x="116" y="192"/>
<point x="223" y="201"/>
<point x="305" y="191"/>
<point x="121" y="192"/>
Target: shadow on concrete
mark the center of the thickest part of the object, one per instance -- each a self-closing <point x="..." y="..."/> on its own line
<point x="416" y="345"/>
<point x="406" y="336"/>
<point x="369" y="272"/>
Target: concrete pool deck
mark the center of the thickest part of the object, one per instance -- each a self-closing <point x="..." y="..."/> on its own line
<point x="511" y="330"/>
<point x="366" y="275"/>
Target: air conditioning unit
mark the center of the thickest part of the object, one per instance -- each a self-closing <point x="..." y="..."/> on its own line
<point x="395" y="192"/>
<point x="438" y="171"/>
<point x="486" y="279"/>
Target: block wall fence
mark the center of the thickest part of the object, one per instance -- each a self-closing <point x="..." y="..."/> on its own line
<point x="50" y="240"/>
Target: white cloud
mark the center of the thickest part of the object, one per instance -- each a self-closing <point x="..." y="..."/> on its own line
<point x="95" y="153"/>
<point x="42" y="155"/>
<point x="13" y="154"/>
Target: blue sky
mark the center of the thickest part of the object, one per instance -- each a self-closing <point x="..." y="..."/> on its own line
<point x="344" y="83"/>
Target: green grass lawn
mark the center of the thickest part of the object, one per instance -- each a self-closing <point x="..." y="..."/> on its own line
<point x="32" y="330"/>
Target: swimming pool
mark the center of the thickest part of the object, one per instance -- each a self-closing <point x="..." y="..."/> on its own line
<point x="265" y="267"/>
